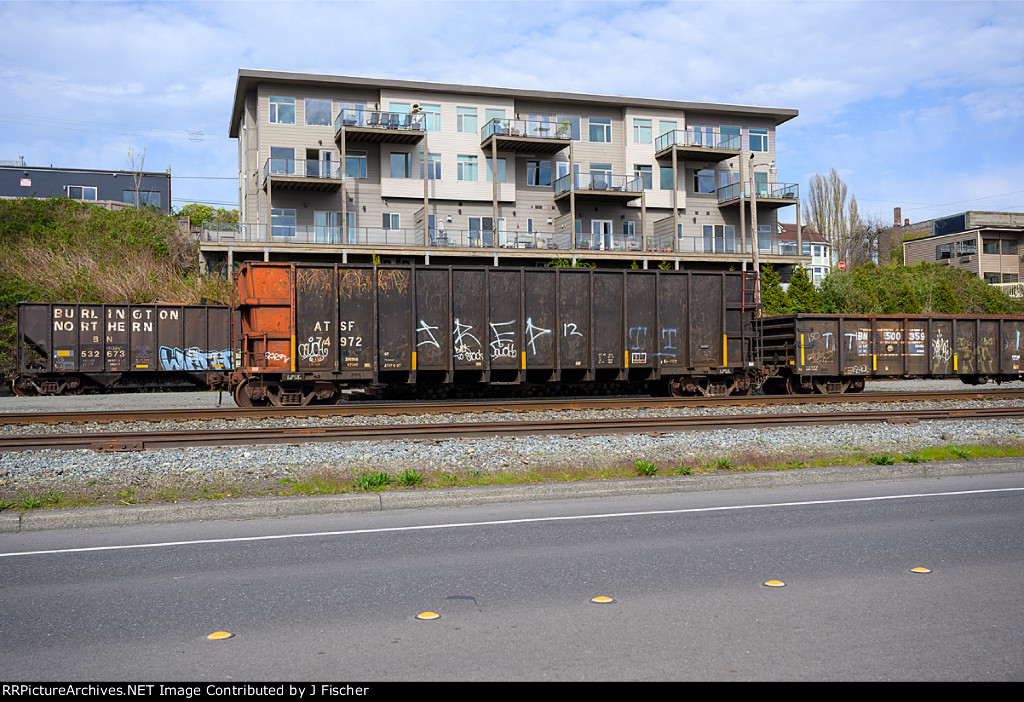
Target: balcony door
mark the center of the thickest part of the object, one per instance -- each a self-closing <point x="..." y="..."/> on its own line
<point x="601" y="238"/>
<point x="327" y="227"/>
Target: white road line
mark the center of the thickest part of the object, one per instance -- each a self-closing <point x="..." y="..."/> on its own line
<point x="500" y="522"/>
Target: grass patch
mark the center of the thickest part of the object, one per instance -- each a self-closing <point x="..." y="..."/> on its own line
<point x="334" y="480"/>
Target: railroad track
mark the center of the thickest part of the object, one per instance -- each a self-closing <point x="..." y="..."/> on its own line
<point x="499" y="405"/>
<point x="139" y="441"/>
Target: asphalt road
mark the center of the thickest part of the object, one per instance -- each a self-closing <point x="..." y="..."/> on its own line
<point x="336" y="597"/>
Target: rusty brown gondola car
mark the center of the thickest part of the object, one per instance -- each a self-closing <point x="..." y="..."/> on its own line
<point x="314" y="333"/>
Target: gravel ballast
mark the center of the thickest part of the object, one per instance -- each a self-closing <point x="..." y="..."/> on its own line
<point x="25" y="469"/>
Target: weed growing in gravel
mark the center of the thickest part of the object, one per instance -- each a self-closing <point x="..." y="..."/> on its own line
<point x="883" y="459"/>
<point x="410" y="477"/>
<point x="684" y="469"/>
<point x="959" y="452"/>
<point x="373" y="481"/>
<point x="645" y="468"/>
<point x="912" y="458"/>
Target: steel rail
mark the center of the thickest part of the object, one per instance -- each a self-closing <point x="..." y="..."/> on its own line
<point x="139" y="441"/>
<point x="495" y="405"/>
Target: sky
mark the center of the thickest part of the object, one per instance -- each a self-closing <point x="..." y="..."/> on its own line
<point x="918" y="105"/>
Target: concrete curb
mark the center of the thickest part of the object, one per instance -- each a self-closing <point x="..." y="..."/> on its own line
<point x="276" y="507"/>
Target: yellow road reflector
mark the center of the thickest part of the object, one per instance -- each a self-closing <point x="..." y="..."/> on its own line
<point x="919" y="569"/>
<point x="774" y="583"/>
<point x="218" y="635"/>
<point x="602" y="599"/>
<point x="428" y="615"/>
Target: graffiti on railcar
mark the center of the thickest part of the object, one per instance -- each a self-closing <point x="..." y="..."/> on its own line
<point x="942" y="350"/>
<point x="426" y="330"/>
<point x="194" y="358"/>
<point x="317" y="347"/>
<point x="463" y="348"/>
<point x="503" y="344"/>
<point x="353" y="283"/>
<point x="532" y="334"/>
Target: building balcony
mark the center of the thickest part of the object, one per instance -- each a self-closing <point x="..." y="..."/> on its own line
<point x="698" y="144"/>
<point x="302" y="174"/>
<point x="599" y="186"/>
<point x="371" y="126"/>
<point x="533" y="136"/>
<point x="770" y="196"/>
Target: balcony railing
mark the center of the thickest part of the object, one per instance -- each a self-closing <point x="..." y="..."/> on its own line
<point x="698" y="137"/>
<point x="526" y="128"/>
<point x="403" y="121"/>
<point x="379" y="236"/>
<point x="371" y="237"/>
<point x="308" y="168"/>
<point x="599" y="180"/>
<point x="765" y="191"/>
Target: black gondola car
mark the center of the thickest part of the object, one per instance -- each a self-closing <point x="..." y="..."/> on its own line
<point x="67" y="348"/>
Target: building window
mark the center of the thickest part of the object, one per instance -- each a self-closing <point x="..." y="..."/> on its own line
<point x="282" y="110"/>
<point x="719" y="238"/>
<point x="600" y="176"/>
<point x="1010" y="277"/>
<point x="391" y="220"/>
<point x="1009" y="247"/>
<point x="282" y="222"/>
<point x="148" y="198"/>
<point x="806" y="248"/>
<point x="401" y="164"/>
<point x="943" y="251"/>
<point x="433" y="166"/>
<point x="600" y="130"/>
<point x="665" y="173"/>
<point x="432" y="117"/>
<point x="817" y="252"/>
<point x="318" y="112"/>
<point x="574" y="124"/>
<point x="645" y="174"/>
<point x="629" y="229"/>
<point x="990" y="246"/>
<point x="82" y="192"/>
<point x="467" y="120"/>
<point x="758" y="139"/>
<point x="704" y="181"/>
<point x="355" y="164"/>
<point x="967" y="247"/>
<point x="666" y="126"/>
<point x="641" y="131"/>
<point x="991" y="278"/>
<point x="467" y="169"/>
<point x="282" y="160"/>
<point x="538" y="172"/>
<point x="730" y="138"/>
<point x="764" y="237"/>
<point x="501" y="169"/>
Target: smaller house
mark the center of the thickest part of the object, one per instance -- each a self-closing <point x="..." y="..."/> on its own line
<point x="986" y="244"/>
<point x="813" y="244"/>
<point x="110" y="189"/>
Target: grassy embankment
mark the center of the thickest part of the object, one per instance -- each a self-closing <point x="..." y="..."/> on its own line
<point x="60" y="250"/>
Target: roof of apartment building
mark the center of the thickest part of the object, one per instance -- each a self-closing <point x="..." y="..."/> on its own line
<point x="788" y="232"/>
<point x="248" y="79"/>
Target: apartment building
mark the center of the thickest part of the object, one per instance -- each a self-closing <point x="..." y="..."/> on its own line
<point x="347" y="165"/>
<point x="988" y="244"/>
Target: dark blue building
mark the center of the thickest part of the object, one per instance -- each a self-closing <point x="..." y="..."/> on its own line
<point x="113" y="189"/>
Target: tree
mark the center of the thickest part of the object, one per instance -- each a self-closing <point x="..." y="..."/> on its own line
<point x="802" y="295"/>
<point x="773" y="297"/>
<point x="136" y="161"/>
<point x="854" y="240"/>
<point x="198" y="214"/>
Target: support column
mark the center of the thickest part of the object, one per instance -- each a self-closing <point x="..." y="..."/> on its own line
<point x="494" y="191"/>
<point x="344" y="191"/>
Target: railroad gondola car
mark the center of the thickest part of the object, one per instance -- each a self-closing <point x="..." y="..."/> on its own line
<point x="67" y="348"/>
<point x="312" y="333"/>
